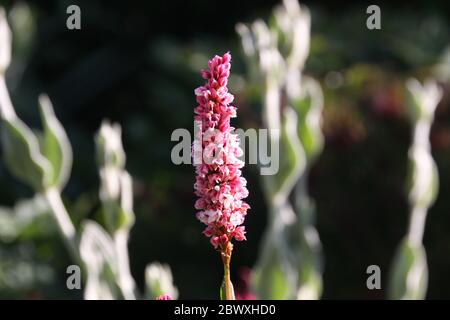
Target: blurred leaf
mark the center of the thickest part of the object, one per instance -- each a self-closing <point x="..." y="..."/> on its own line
<point x="109" y="146"/>
<point x="22" y="154"/>
<point x="442" y="68"/>
<point x="159" y="281"/>
<point x="23" y="26"/>
<point x="5" y="40"/>
<point x="422" y="99"/>
<point x="8" y="226"/>
<point x="309" y="110"/>
<point x="126" y="214"/>
<point x="20" y="273"/>
<point x="270" y="278"/>
<point x="292" y="161"/>
<point x="410" y="273"/>
<point x="310" y="287"/>
<point x="32" y="217"/>
<point x="97" y="252"/>
<point x="116" y="188"/>
<point x="56" y="145"/>
<point x="423" y="178"/>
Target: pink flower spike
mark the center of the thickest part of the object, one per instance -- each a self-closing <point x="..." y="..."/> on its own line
<point x="164" y="297"/>
<point x="219" y="184"/>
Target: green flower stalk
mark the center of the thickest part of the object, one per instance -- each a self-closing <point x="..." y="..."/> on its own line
<point x="409" y="275"/>
<point x="116" y="195"/>
<point x="289" y="266"/>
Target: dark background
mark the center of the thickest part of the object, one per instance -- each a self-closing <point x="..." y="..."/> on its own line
<point x="137" y="63"/>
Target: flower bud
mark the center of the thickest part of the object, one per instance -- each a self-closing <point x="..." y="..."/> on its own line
<point x="159" y="281"/>
<point x="109" y="146"/>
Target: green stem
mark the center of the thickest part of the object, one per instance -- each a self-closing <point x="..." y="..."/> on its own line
<point x="228" y="286"/>
<point x="63" y="221"/>
<point x="125" y="280"/>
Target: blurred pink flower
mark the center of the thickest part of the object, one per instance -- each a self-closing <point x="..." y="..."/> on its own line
<point x="164" y="297"/>
<point x="219" y="184"/>
<point x="243" y="288"/>
<point x="388" y="102"/>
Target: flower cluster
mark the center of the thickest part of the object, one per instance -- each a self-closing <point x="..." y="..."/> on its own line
<point x="219" y="184"/>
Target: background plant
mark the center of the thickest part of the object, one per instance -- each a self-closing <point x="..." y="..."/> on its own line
<point x="290" y="263"/>
<point x="43" y="161"/>
<point x="409" y="278"/>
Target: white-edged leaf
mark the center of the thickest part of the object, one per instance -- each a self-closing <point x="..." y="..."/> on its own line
<point x="22" y="154"/>
<point x="97" y="253"/>
<point x="291" y="159"/>
<point x="5" y="42"/>
<point x="56" y="146"/>
<point x="409" y="276"/>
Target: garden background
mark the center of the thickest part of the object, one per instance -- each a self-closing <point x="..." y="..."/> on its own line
<point x="138" y="63"/>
